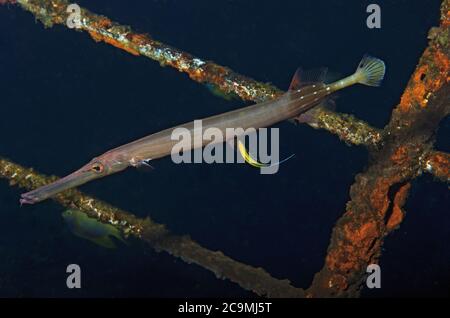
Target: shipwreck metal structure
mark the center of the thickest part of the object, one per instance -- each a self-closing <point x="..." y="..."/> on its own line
<point x="399" y="153"/>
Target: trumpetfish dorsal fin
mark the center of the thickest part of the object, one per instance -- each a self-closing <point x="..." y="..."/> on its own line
<point x="303" y="78"/>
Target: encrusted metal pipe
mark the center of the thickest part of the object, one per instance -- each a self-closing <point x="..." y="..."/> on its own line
<point x="50" y="12"/>
<point x="157" y="235"/>
<point x="379" y="193"/>
<point x="399" y="153"/>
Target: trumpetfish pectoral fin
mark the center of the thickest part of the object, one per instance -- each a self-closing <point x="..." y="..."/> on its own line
<point x="144" y="165"/>
<point x="255" y="163"/>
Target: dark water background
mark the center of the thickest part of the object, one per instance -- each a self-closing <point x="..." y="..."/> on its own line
<point x="65" y="99"/>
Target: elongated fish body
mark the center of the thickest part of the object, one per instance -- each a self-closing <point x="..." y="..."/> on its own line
<point x="264" y="114"/>
<point x="300" y="98"/>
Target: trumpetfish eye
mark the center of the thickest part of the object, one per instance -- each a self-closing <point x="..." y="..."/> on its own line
<point x="98" y="167"/>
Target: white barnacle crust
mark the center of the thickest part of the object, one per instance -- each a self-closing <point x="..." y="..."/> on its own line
<point x="89" y="203"/>
<point x="428" y="166"/>
<point x="330" y="284"/>
<point x="113" y="222"/>
<point x="198" y="62"/>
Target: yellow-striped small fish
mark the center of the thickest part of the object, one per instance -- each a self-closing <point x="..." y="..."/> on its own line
<point x="253" y="162"/>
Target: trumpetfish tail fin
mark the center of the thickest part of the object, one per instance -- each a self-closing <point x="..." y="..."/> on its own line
<point x="370" y="71"/>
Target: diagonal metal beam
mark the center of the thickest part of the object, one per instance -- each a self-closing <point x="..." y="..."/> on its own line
<point x="102" y="29"/>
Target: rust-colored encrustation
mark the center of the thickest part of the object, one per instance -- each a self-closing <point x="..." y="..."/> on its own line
<point x="399" y="153"/>
<point x="349" y="128"/>
<point x="379" y="193"/>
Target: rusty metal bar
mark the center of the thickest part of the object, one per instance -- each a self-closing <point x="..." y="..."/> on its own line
<point x="404" y="150"/>
<point x="156" y="235"/>
<point x="379" y="193"/>
<point x="50" y="12"/>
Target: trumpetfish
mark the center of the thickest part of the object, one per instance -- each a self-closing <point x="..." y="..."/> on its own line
<point x="301" y="97"/>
